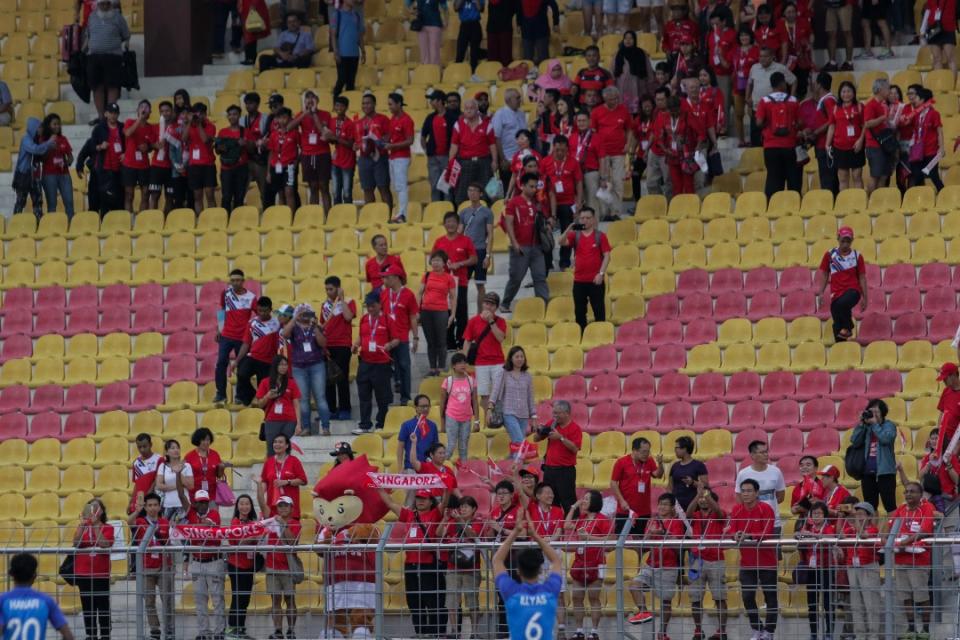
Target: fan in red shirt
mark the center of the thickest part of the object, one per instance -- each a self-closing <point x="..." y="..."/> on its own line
<point x="751" y="522"/>
<point x="200" y="514"/>
<point x="778" y="114"/>
<point x="145" y="515"/>
<point x="631" y="482"/>
<point x="524" y="141"/>
<point x="815" y="114"/>
<point x="833" y="492"/>
<point x="808" y="489"/>
<point x="592" y="77"/>
<point x="283" y="531"/>
<point x="56" y="165"/>
<point x="845" y="138"/>
<point x="139" y="137"/>
<point x="591" y="257"/>
<point x="205" y="462"/>
<point x="769" y="35"/>
<point x="845" y="270"/>
<point x="912" y="558"/>
<point x="435" y="464"/>
<point x="927" y="137"/>
<point x="815" y="566"/>
<point x="586" y="523"/>
<point x="372" y="131"/>
<point x="380" y="261"/>
<point x="721" y="47"/>
<point x="505" y="512"/>
<point x="314" y="125"/>
<point x="201" y="161"/>
<point x="519" y="221"/>
<point x="679" y="138"/>
<point x="679" y="27"/>
<point x="240" y="564"/>
<point x="564" y="182"/>
<point x="399" y="140"/>
<point x="583" y="147"/>
<point x="949" y="408"/>
<point x="613" y="126"/>
<point x="375" y="341"/>
<point x="545" y="516"/>
<point x="474" y="146"/>
<point x="422" y="522"/>
<point x="336" y="319"/>
<point x="93" y="538"/>
<point x="461" y="255"/>
<point x="261" y="339"/>
<point x="660" y="573"/>
<point x="707" y="522"/>
<point x="282" y="474"/>
<point x="798" y="36"/>
<point x="745" y="56"/>
<point x="862" y="561"/>
<point x="343" y="136"/>
<point x="282" y="162"/>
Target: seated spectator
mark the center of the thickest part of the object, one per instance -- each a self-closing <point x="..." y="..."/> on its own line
<point x="294" y="48"/>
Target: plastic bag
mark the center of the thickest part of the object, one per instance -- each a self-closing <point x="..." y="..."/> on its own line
<point x="494" y="188"/>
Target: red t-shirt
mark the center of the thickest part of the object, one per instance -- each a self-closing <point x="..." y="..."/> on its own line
<point x="445" y="473"/>
<point x="677" y="137"/>
<point x="204" y="471"/>
<point x="277" y="560"/>
<point x="596" y="79"/>
<point x="241" y="560"/>
<point x="634" y="481"/>
<point x="591" y="557"/>
<point x="374" y="269"/>
<point x="557" y="454"/>
<point x="721" y="44"/>
<point x="263" y="338"/>
<point x="280" y="409"/>
<point x="873" y="109"/>
<point x="809" y="488"/>
<point x="547" y="521"/>
<point x="676" y="30"/>
<point x="490" y="350"/>
<point x="507" y="519"/>
<point x="473" y="142"/>
<point x="401" y="129"/>
<point x="756" y="522"/>
<point x="848" y="125"/>
<point x="344" y="155"/>
<point x="861" y="555"/>
<point x="154" y="558"/>
<point x="520" y="157"/>
<point x="814" y="554"/>
<point x="423" y="528"/>
<point x="290" y="469"/>
<point x="834" y="497"/>
<point x="928" y="122"/>
<point x="584" y="149"/>
<point x="708" y="526"/>
<point x="369" y="128"/>
<point x="283" y="148"/>
<point x="660" y="529"/>
<point x="588" y="254"/>
<point x="524" y="216"/>
<point x="238" y="308"/>
<point x="375" y="333"/>
<point x="55" y="162"/>
<point x="844" y="271"/>
<point x="611" y="126"/>
<point x="743" y="60"/>
<point x="133" y="157"/>
<point x="779" y="112"/>
<point x="769" y="35"/>
<point x="201" y="153"/>
<point x="95" y="564"/>
<point x="436" y="287"/>
<point x="825" y="107"/>
<point x="441" y="139"/>
<point x="562" y="178"/>
<point x="949" y="405"/>
<point x="311" y="137"/>
<point x="943" y="12"/>
<point x="114" y="151"/>
<point x="914" y="521"/>
<point x="338" y="331"/>
<point x="458" y="249"/>
<point x="194" y="518"/>
<point x="399" y="306"/>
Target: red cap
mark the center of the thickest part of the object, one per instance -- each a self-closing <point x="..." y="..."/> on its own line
<point x="390" y="270"/>
<point x="948" y="369"/>
<point x="477" y="95"/>
<point x="424" y="493"/>
<point x="845" y="232"/>
<point x="831" y="471"/>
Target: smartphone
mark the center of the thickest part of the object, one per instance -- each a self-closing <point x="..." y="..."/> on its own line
<point x="578" y="226"/>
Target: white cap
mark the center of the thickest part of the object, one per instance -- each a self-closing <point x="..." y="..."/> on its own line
<point x="201" y="495"/>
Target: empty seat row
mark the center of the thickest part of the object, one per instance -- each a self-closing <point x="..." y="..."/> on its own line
<point x="113" y="319"/>
<point x="149" y="294"/>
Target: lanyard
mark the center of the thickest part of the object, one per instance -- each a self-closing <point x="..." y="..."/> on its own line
<point x="392" y="300"/>
<point x="279" y="467"/>
<point x="582" y="142"/>
<point x="560" y="166"/>
<point x="373" y="326"/>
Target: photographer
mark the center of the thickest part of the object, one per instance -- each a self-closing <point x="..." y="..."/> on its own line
<point x="564" y="439"/>
<point x="591" y="256"/>
<point x="201" y="162"/>
<point x="876" y="435"/>
<point x="308" y="354"/>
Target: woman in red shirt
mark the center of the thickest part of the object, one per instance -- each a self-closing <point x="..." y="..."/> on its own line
<point x="679" y="141"/>
<point x="863" y="570"/>
<point x="438" y="295"/>
<point x="279" y="397"/>
<point x="722" y="49"/>
<point x="524" y="150"/>
<point x="282" y="475"/>
<point x="205" y="463"/>
<point x="461" y="526"/>
<point x="92" y="539"/>
<point x="746" y="55"/>
<point x="940" y="31"/>
<point x="56" y="166"/>
<point x="814" y="569"/>
<point x="436" y="463"/>
<point x="927" y="142"/>
<point x="713" y="99"/>
<point x="241" y="567"/>
<point x="585" y="522"/>
<point x="845" y="137"/>
<point x="566" y="110"/>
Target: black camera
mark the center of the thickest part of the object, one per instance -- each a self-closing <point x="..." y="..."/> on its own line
<point x="866" y="415"/>
<point x="579" y="226"/>
<point x="543" y="432"/>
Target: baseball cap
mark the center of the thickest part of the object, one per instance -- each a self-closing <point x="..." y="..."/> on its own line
<point x="285" y="310"/>
<point x="527" y="472"/>
<point x="201" y="496"/>
<point x="830" y="470"/>
<point x="391" y="270"/>
<point x="477" y="95"/>
<point x="948" y="369"/>
<point x="436" y="94"/>
<point x="424" y="493"/>
<point x="283" y="500"/>
<point x="865" y="506"/>
<point x="492" y="297"/>
<point x="845" y="232"/>
<point x="341" y="447"/>
<point x="276" y="98"/>
<point x="113" y="107"/>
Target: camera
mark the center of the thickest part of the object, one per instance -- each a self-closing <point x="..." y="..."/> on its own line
<point x="544" y="431"/>
<point x="867" y="415"/>
<point x="579" y="226"/>
<point x="310" y="315"/>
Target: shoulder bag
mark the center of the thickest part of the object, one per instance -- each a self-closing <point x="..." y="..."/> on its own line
<point x="67" y="571"/>
<point x="544" y="234"/>
<point x="295" y="566"/>
<point x="855" y="457"/>
<point x="475" y="345"/>
<point x="495" y="415"/>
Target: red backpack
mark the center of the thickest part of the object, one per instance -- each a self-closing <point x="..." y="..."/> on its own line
<point x="782" y="117"/>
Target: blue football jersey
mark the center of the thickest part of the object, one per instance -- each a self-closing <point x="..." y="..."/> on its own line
<point x="531" y="608"/>
<point x="24" y="613"/>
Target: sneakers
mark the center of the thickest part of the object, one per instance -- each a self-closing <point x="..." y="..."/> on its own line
<point x="593" y="636"/>
<point x="291" y="634"/>
<point x="886" y="55"/>
<point x="866" y="54"/>
<point x="718" y="636"/>
<point x="846" y="66"/>
<point x="766" y="635"/>
<point x="699" y="635"/>
<point x="579" y="636"/>
<point x="359" y="431"/>
<point x="276" y="635"/>
<point x="641" y="617"/>
<point x="830" y="66"/>
<point x="219" y="399"/>
<point x="504" y="309"/>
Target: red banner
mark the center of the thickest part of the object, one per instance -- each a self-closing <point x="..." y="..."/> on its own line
<point x="192" y="532"/>
<point x="405" y="481"/>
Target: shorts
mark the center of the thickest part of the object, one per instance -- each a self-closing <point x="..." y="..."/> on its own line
<point x="912" y="583"/>
<point x="351" y="595"/>
<point x="619" y="7"/>
<point x="848" y="159"/>
<point x="135" y="177"/>
<point x="463" y="585"/>
<point x="104" y="70"/>
<point x="160" y="177"/>
<point x="285" y="177"/>
<point x="881" y="164"/>
<point x="839" y="16"/>
<point x="478" y="272"/>
<point x="661" y="581"/>
<point x="712" y="574"/>
<point x="485" y="375"/>
<point x="879" y="11"/>
<point x="592" y="3"/>
<point x="585" y="576"/>
<point x="280" y="582"/>
<point x="943" y="38"/>
<point x="201" y="176"/>
<point x="373" y="173"/>
<point x="316" y="168"/>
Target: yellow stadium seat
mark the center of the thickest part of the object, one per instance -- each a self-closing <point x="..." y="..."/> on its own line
<point x="791" y="253"/>
<point x="608" y="445"/>
<point x="755" y="229"/>
<point x="115" y="449"/>
<point x="928" y="249"/>
<point x="650" y="207"/>
<point x="890" y="224"/>
<point x="773" y="356"/>
<point x="78" y="477"/>
<point x="49" y="346"/>
<point x="15" y="371"/>
<point x="714" y="444"/>
<point x="47" y="371"/>
<point x="653" y="232"/>
<point x="716" y="205"/>
<point x="622" y="232"/>
<point x="563" y="334"/>
<point x="44" y="477"/>
<point x="918" y="383"/>
<point x="343" y="240"/>
<point x="808" y="356"/>
<point x="597" y="334"/>
<point x="43" y="451"/>
<point x="683" y="206"/>
<point x="725" y="254"/>
<point x="14" y="452"/>
<point x="734" y="330"/>
<point x="894" y="251"/>
<point x="879" y="355"/>
<point x="81" y="371"/>
<point x="181" y="395"/>
<point x="623" y="257"/>
<point x="112" y="424"/>
<point x="883" y="200"/>
<point x="783" y="203"/>
<point x="690" y="256"/>
<point x="78" y="451"/>
<point x="756" y="255"/>
<point x="750" y="204"/>
<point x="531" y="334"/>
<point x="770" y="330"/>
<point x="816" y="202"/>
<point x="805" y="329"/>
<point x="243" y="218"/>
<point x="13" y="506"/>
<point x="850" y="201"/>
<point x="12" y="480"/>
<point x="751" y="160"/>
<point x="558" y="282"/>
<point x="659" y="281"/>
<point x="565" y="361"/>
<point x="925" y="223"/>
<point x="914" y="355"/>
<point x="558" y="310"/>
<point x="789" y="228"/>
<point x="843" y="356"/>
<point x="922" y="412"/>
<point x="703" y="358"/>
<point x="719" y="230"/>
<point x="628" y="307"/>
<point x="918" y="199"/>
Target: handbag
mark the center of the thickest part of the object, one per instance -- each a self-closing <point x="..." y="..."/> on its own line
<point x="495" y="415"/>
<point x="129" y="79"/>
<point x="295" y="565"/>
<point x="544" y="234"/>
<point x="855" y="457"/>
<point x="916" y="152"/>
<point x="334" y="372"/>
<point x="254" y="22"/>
<point x="67" y="571"/>
<point x="714" y="164"/>
<point x="224" y="494"/>
<point x="887" y="139"/>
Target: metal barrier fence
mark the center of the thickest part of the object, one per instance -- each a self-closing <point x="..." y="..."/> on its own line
<point x="389" y="587"/>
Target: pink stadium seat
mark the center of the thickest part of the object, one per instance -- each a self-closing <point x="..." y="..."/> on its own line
<point x="53" y="297"/>
<point x="692" y="281"/>
<point x="743" y="385"/>
<point x="633" y="358"/>
<point x="13" y="425"/>
<point x="700" y="331"/>
<point x="813" y="384"/>
<point x="116" y="295"/>
<point x="633" y="332"/>
<point x="782" y="414"/>
<point x="572" y="388"/>
<point x="49" y="397"/>
<point x="666" y="332"/>
<point x="15" y="398"/>
<point x="912" y="326"/>
<point x="51" y="320"/>
<point x="641" y="415"/>
<point x="726" y="281"/>
<point x="696" y="306"/>
<point x="873" y="327"/>
<point x="746" y="414"/>
<point x="147" y="319"/>
<point x="638" y="387"/>
<point x="80" y="397"/>
<point x="764" y="304"/>
<point x="82" y="320"/>
<point x="180" y="318"/>
<point x="706" y="387"/>
<point x="183" y="368"/>
<point x="663" y="307"/>
<point x="884" y="383"/>
<point x="79" y="425"/>
<point x="732" y="305"/>
<point x="603" y="388"/>
<point x="114" y="396"/>
<point x="483" y="497"/>
<point x="180" y="343"/>
<point x="147" y="369"/>
<point x="208" y="368"/>
<point x="761" y="279"/>
<point x="17" y="298"/>
<point x="578" y="412"/>
<point x="721" y="470"/>
<point x="181" y="293"/>
<point x="45" y="425"/>
<point x="818" y="413"/>
<point x="84" y="296"/>
<point x="115" y="319"/>
<point x="150" y="294"/>
<point x="873" y="273"/>
<point x="545" y="411"/>
<point x="711" y="415"/>
<point x="785" y="441"/>
<point x="789" y="466"/>
<point x="211" y="291"/>
<point x="778" y="385"/>
<point x="800" y="303"/>
<point x="822" y="442"/>
<point x="673" y="386"/>
<point x="606" y="416"/>
<point x="933" y="274"/>
<point x="208" y="319"/>
<point x="849" y="383"/>
<point x="147" y="396"/>
<point x="939" y="300"/>
<point x="878" y="302"/>
<point x="897" y="276"/>
<point x="727" y="497"/>
<point x="848" y="412"/>
<point x="903" y="301"/>
<point x="796" y="279"/>
<point x="18" y="320"/>
<point x="743" y="440"/>
<point x="600" y="360"/>
<point x="943" y="326"/>
<point x="19" y="345"/>
<point x="676" y="415"/>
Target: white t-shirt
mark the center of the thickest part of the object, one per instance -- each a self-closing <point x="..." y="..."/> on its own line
<point x="770" y="481"/>
<point x="168" y="476"/>
<point x="142" y="467"/>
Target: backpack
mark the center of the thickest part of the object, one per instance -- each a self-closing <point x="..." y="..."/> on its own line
<point x="596" y="239"/>
<point x="443" y="409"/>
<point x="855" y="457"/>
<point x="231" y="149"/>
<point x="781" y="119"/>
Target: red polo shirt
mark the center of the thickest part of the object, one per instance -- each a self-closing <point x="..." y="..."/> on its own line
<point x="458" y="249"/>
<point x="634" y="480"/>
<point x="423" y="528"/>
<point x="557" y="454"/>
<point x="283" y="148"/>
<point x="201" y="153"/>
<point x="375" y="333"/>
<point x="873" y="109"/>
<point x="919" y="520"/>
<point x="583" y="146"/>
<point x="708" y="526"/>
<point x="928" y="121"/>
<point x="721" y="44"/>
<point x="756" y="522"/>
<point x="377" y="126"/>
<point x="399" y="306"/>
<point x="344" y="155"/>
<point x="664" y="529"/>
<point x="473" y="142"/>
<point x="374" y="269"/>
<point x="490" y="350"/>
<point x="401" y="128"/>
<point x="847" y="121"/>
<point x="611" y="126"/>
<point x="562" y="178"/>
<point x="311" y="137"/>
<point x="524" y="215"/>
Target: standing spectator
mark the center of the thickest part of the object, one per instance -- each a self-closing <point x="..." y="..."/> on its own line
<point x="707" y="522"/>
<point x="240" y="570"/>
<point x="675" y="133"/>
<point x="714" y="102"/>
<point x="525" y="252"/>
<point x="400" y="305"/>
<point x="845" y="138"/>
<point x="927" y="141"/>
<point x="863" y="570"/>
<point x="254" y="126"/>
<point x="593" y="18"/>
<point x="435" y="138"/>
<point x="721" y="50"/>
<point x="834" y="493"/>
<point x="798" y="38"/>
<point x="653" y="154"/>
<point x="174" y="482"/>
<point x="586" y="571"/>
<point x="564" y="439"/>
<point x="284" y="531"/>
<point x="876" y="123"/>
<point x="808" y="489"/>
<point x="105" y="37"/>
<point x="201" y="167"/>
<point x="225" y="12"/>
<point x="631" y="484"/>
<point x="679" y="27"/>
<point x="372" y="131"/>
<point x="139" y="136"/>
<point x="768" y="35"/>
<point x="107" y="137"/>
<point x="461" y="526"/>
<point x="760" y="84"/>
<point x="878" y="435"/>
<point x="564" y="189"/>
<point x="294" y="47"/>
<point x="939" y="30"/>
<point x="752" y="522"/>
<point x="307" y="344"/>
<point x="205" y="462"/>
<point x="771" y="487"/>
<point x="508" y="121"/>
<point x="92" y="538"/>
<point x="314" y="125"/>
<point x="661" y="574"/>
<point x="474" y="146"/>
<point x="843" y="267"/>
<point x="500" y="30"/>
<point x="56" y="165"/>
<point x="207" y="569"/>
<point x="815" y="131"/>
<point x="471" y="33"/>
<point x="483" y="103"/>
<point x="525" y="150"/>
<point x="259" y="346"/>
<point x="593" y="77"/>
<point x="438" y="300"/>
<point x="147" y="462"/>
<point x="839" y="18"/>
<point x="702" y="118"/>
<point x="816" y="573"/>
<point x="381" y="261"/>
<point x="615" y="12"/>
<point x="535" y="28"/>
<point x="461" y="255"/>
<point x="375" y="342"/>
<point x="432" y="15"/>
<point x="746" y="55"/>
<point x="284" y="151"/>
<point x="632" y="72"/>
<point x="912" y="557"/>
<point x="876" y="11"/>
<point x="346" y="40"/>
<point x="160" y="165"/>
<point x="685" y="473"/>
<point x="278" y="394"/>
<point x="234" y="172"/>
<point x="778" y="117"/>
<point x="613" y="126"/>
<point x="157" y="564"/>
<point x="476" y="223"/>
<point x="399" y="141"/>
<point x="949" y="406"/>
<point x="6" y="105"/>
<point x="513" y="390"/>
<point x="236" y="307"/>
<point x="250" y="37"/>
<point x="484" y="340"/>
<point x="336" y="321"/>
<point x="409" y="448"/>
<point x="459" y="406"/>
<point x="591" y="256"/>
<point x="343" y="135"/>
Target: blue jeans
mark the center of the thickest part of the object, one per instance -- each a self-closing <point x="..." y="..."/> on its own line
<point x="342" y="185"/>
<point x="516" y="427"/>
<point x="226" y="346"/>
<point x="401" y="369"/>
<point x="313" y="380"/>
<point x="53" y="184"/>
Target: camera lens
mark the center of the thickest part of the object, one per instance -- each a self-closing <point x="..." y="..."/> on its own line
<point x="866" y="415"/>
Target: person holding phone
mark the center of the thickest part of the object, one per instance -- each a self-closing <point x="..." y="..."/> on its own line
<point x="278" y="395"/>
<point x="92" y="539"/>
<point x="307" y="346"/>
<point x="591" y="252"/>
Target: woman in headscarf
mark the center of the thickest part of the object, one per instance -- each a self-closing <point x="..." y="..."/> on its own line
<point x="555" y="77"/>
<point x="250" y="38"/>
<point x="632" y="72"/>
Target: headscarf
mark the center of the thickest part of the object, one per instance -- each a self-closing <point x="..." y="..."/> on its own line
<point x="634" y="56"/>
<point x="546" y="81"/>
